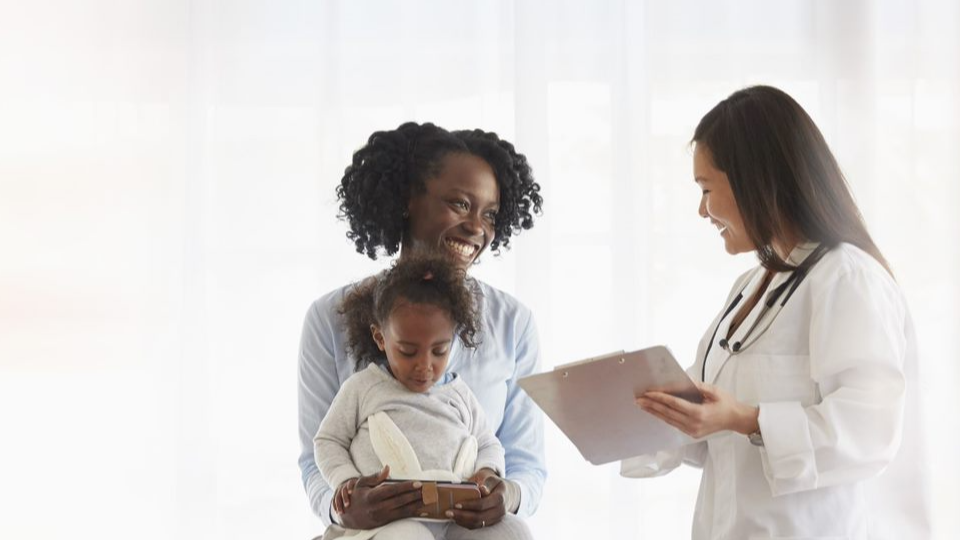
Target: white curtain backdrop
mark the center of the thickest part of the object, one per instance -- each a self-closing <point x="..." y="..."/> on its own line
<point x="167" y="214"/>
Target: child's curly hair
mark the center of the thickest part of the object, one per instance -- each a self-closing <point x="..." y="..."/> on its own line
<point x="419" y="279"/>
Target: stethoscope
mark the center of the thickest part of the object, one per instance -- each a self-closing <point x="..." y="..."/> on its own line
<point x="789" y="287"/>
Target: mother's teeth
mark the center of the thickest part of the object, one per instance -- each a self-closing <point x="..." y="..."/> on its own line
<point x="463" y="249"/>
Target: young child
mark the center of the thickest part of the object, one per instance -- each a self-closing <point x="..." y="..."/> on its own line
<point x="404" y="410"/>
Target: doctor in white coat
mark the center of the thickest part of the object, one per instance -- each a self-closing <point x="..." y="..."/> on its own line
<point x="809" y="424"/>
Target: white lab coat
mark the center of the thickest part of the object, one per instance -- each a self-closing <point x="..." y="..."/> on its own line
<point x="834" y="376"/>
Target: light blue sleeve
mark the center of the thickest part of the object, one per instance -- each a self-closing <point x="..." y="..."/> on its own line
<point x="318" y="385"/>
<point x="522" y="429"/>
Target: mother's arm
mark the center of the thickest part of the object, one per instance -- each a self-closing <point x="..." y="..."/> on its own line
<point x="318" y="383"/>
<point x="521" y="434"/>
<point x="521" y="431"/>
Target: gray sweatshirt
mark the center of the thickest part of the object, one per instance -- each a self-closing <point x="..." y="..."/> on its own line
<point x="435" y="422"/>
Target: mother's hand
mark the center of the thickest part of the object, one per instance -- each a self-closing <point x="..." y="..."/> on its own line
<point x="719" y="411"/>
<point x="367" y="502"/>
<point x="488" y="509"/>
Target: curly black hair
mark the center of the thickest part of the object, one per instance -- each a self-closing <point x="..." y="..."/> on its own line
<point x="426" y="279"/>
<point x="395" y="164"/>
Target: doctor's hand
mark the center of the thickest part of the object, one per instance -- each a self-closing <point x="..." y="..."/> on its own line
<point x="488" y="509"/>
<point x="719" y="411"/>
<point x="367" y="503"/>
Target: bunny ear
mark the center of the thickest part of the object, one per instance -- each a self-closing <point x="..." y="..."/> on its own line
<point x="466" y="463"/>
<point x="392" y="447"/>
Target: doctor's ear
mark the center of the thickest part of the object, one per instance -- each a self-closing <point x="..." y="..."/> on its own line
<point x="377" y="336"/>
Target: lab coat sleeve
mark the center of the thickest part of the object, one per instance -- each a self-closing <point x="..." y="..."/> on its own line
<point x="661" y="463"/>
<point x="857" y="351"/>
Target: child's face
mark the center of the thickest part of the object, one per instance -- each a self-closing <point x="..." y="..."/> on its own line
<point x="416" y="339"/>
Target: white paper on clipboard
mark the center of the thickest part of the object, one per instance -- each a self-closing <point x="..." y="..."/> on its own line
<point x="594" y="402"/>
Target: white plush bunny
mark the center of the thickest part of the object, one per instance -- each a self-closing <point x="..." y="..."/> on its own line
<point x="393" y="449"/>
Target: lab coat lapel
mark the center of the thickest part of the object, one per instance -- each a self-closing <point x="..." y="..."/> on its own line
<point x="718" y="360"/>
<point x="718" y="355"/>
<point x="758" y="318"/>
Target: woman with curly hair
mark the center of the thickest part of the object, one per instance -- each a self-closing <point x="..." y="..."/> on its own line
<point x="402" y="413"/>
<point x="420" y="188"/>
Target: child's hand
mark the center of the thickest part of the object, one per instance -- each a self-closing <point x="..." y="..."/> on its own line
<point x="341" y="499"/>
<point x="486" y="479"/>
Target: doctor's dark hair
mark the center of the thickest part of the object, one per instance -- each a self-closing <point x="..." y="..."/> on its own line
<point x="419" y="279"/>
<point x="395" y="165"/>
<point x="784" y="178"/>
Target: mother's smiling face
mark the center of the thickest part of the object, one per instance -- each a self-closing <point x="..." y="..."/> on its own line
<point x="456" y="212"/>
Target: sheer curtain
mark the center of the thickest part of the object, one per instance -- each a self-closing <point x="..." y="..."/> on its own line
<point x="167" y="214"/>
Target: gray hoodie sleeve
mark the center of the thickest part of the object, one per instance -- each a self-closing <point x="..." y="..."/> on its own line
<point x="490" y="453"/>
<point x="331" y="445"/>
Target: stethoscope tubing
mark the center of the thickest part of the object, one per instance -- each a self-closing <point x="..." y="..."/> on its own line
<point x="792" y="283"/>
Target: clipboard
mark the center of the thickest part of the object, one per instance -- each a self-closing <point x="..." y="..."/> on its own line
<point x="593" y="402"/>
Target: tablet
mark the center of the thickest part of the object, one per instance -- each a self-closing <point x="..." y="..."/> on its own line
<point x="593" y="402"/>
<point x="438" y="497"/>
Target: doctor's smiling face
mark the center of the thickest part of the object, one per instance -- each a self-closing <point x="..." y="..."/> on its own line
<point x="718" y="203"/>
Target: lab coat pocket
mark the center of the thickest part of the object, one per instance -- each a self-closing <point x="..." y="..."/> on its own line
<point x="778" y="377"/>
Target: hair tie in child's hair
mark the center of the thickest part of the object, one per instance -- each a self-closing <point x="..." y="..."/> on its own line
<point x="428" y="276"/>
